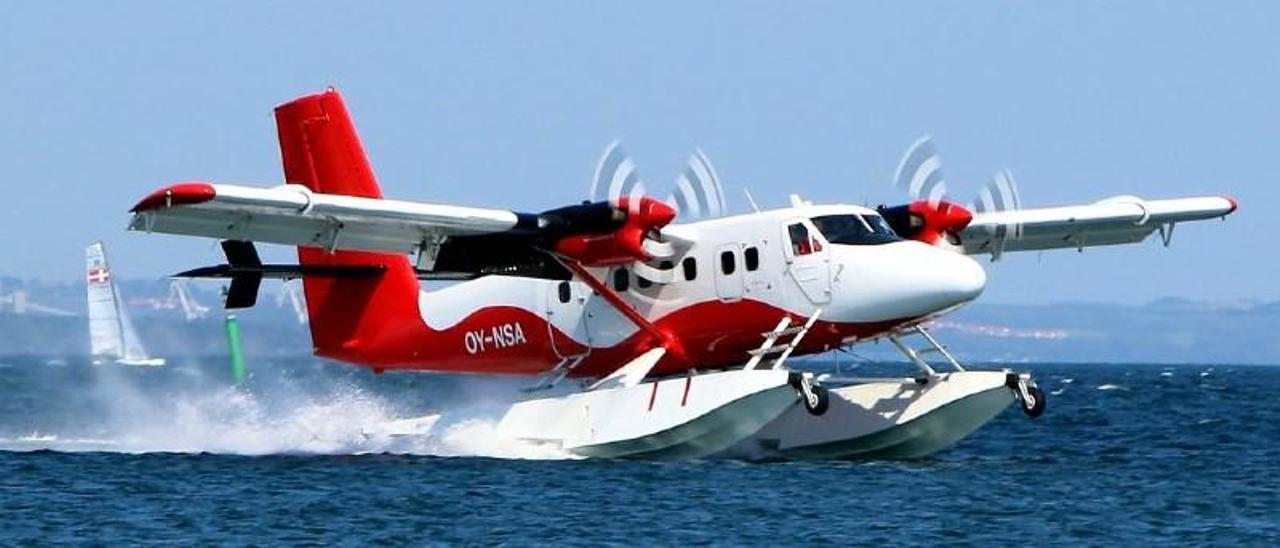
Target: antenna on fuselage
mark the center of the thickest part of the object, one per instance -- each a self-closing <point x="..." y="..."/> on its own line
<point x="751" y="200"/>
<point x="797" y="201"/>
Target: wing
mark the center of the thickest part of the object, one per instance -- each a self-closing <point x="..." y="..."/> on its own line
<point x="1118" y="220"/>
<point x="447" y="238"/>
<point x="294" y="215"/>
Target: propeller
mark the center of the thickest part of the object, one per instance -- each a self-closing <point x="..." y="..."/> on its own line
<point x="696" y="194"/>
<point x="1000" y="195"/>
<point x="919" y="173"/>
<point x="698" y="191"/>
<point x="616" y="176"/>
<point x="932" y="216"/>
<point x="619" y="197"/>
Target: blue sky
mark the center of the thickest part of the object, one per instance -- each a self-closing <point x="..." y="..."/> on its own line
<point x="509" y="104"/>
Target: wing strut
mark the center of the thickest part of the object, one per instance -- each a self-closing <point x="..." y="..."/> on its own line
<point x="661" y="338"/>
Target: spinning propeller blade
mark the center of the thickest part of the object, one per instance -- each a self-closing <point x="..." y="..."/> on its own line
<point x="697" y="192"/>
<point x="999" y="195"/>
<point x="616" y="176"/>
<point x="919" y="175"/>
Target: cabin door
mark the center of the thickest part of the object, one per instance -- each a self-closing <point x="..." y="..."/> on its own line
<point x="566" y="313"/>
<point x="809" y="260"/>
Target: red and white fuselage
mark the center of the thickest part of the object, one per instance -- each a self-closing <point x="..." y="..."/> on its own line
<point x="738" y="276"/>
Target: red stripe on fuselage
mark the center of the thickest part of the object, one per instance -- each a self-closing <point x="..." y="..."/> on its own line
<point x="499" y="340"/>
<point x="715" y="334"/>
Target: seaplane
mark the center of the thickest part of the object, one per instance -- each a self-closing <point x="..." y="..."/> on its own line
<point x="650" y="327"/>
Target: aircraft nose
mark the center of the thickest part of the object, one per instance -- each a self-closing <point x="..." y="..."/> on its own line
<point x="949" y="279"/>
<point x="904" y="280"/>
<point x="963" y="279"/>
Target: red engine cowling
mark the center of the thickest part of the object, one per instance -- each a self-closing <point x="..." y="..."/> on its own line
<point x="928" y="222"/>
<point x="625" y="244"/>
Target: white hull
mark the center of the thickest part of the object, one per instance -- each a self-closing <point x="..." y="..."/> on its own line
<point x="141" y="362"/>
<point x="887" y="419"/>
<point x="131" y="362"/>
<point x="687" y="417"/>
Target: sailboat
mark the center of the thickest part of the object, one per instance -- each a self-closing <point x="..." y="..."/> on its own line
<point x="112" y="337"/>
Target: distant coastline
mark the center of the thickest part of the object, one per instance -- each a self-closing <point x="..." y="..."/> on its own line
<point x="1167" y="331"/>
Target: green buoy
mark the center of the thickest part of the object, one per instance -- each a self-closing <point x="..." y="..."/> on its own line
<point x="237" y="353"/>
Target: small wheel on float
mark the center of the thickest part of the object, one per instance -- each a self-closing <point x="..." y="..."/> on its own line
<point x="814" y="396"/>
<point x="1033" y="401"/>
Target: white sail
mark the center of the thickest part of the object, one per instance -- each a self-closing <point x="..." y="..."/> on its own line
<point x="105" y="338"/>
<point x="111" y="334"/>
<point x="133" y="350"/>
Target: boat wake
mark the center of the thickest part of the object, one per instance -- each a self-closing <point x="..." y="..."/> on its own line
<point x="120" y="412"/>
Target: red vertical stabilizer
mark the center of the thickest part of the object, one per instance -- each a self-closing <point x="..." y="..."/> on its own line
<point x="362" y="320"/>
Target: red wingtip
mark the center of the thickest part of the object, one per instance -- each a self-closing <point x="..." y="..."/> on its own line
<point x="179" y="194"/>
<point x="1234" y="204"/>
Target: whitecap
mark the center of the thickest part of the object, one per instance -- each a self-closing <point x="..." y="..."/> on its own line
<point x="1106" y="387"/>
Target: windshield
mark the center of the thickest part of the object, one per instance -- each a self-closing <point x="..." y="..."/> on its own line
<point x="855" y="229"/>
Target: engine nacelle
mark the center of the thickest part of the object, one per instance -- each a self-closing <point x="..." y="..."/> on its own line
<point x="580" y="219"/>
<point x="928" y="222"/>
<point x="626" y="243"/>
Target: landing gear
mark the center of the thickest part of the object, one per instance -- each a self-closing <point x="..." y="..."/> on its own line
<point x="1033" y="402"/>
<point x="1030" y="396"/>
<point x="814" y="397"/>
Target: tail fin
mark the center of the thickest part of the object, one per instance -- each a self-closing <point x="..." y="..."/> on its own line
<point x="353" y="319"/>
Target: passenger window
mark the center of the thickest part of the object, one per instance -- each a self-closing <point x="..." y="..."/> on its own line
<point x="690" y="266"/>
<point x="621" y="280"/>
<point x="801" y="243"/>
<point x="727" y="263"/>
<point x="751" y="256"/>
<point x="643" y="282"/>
<point x="563" y="289"/>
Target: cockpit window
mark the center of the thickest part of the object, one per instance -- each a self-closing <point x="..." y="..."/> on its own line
<point x="855" y="229"/>
<point x="801" y="242"/>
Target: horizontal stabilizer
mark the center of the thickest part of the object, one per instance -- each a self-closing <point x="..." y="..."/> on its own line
<point x="280" y="271"/>
<point x="246" y="272"/>
<point x="295" y="271"/>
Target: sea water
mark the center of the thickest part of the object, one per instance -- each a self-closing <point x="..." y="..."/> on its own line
<point x="1125" y="454"/>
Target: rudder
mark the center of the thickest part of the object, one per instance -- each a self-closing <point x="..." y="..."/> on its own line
<point x="353" y="319"/>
